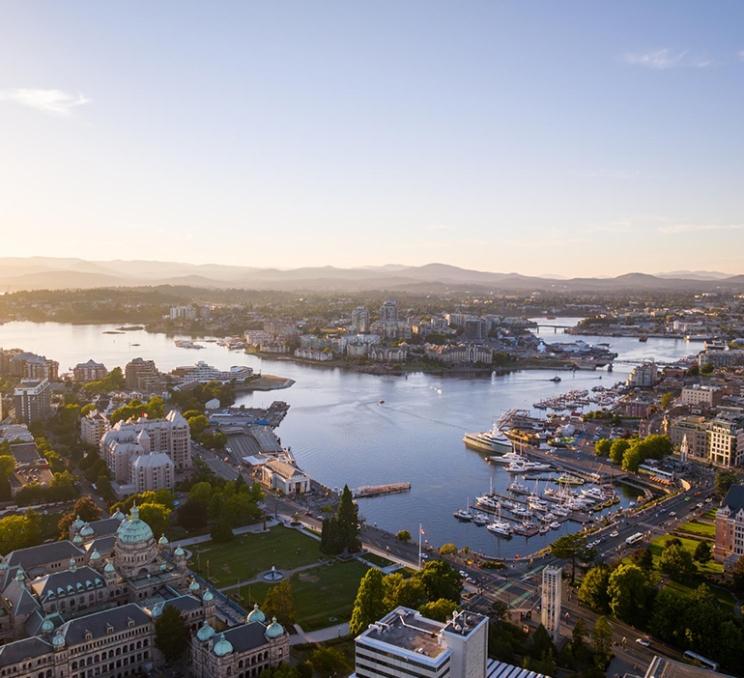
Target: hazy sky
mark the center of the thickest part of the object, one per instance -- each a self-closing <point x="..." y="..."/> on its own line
<point x="541" y="137"/>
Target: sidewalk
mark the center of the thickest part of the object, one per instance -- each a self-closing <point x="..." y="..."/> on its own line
<point x="287" y="574"/>
<point x="319" y="636"/>
<point x="257" y="528"/>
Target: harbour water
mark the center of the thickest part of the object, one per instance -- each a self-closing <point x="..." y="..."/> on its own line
<point x="341" y="432"/>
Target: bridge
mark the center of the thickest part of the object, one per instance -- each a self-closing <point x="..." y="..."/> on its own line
<point x="554" y="327"/>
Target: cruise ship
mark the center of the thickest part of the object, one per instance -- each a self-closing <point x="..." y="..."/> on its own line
<point x="488" y="441"/>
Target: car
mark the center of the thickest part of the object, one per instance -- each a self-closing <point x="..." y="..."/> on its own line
<point x="687" y="498"/>
<point x="672" y="513"/>
<point x="709" y="500"/>
<point x="614" y="533"/>
<point x="699" y="504"/>
<point x="643" y="641"/>
<point x="463" y="573"/>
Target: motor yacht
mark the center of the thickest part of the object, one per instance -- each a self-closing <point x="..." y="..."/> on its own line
<point x="494" y="441"/>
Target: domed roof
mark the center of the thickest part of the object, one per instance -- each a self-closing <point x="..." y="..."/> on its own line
<point x="20" y="574"/>
<point x="205" y="632"/>
<point x="77" y="539"/>
<point x="194" y="586"/>
<point x="179" y="552"/>
<point x="163" y="567"/>
<point x="133" y="530"/>
<point x="86" y="531"/>
<point x="109" y="567"/>
<point x="95" y="555"/>
<point x="72" y="565"/>
<point x="255" y="615"/>
<point x="208" y="596"/>
<point x="77" y="523"/>
<point x="118" y="515"/>
<point x="3" y="565"/>
<point x="47" y="626"/>
<point x="157" y="609"/>
<point x="274" y="630"/>
<point x="163" y="541"/>
<point x="223" y="646"/>
<point x="58" y="641"/>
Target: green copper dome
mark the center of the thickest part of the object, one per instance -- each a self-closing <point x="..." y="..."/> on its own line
<point x="255" y="615"/>
<point x="47" y="626"/>
<point x="205" y="632"/>
<point x="133" y="530"/>
<point x="274" y="630"/>
<point x="58" y="641"/>
<point x="223" y="646"/>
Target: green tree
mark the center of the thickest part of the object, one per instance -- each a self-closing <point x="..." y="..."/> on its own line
<point x="156" y="516"/>
<point x="439" y="610"/>
<point x="448" y="549"/>
<point x="222" y="531"/>
<point x="737" y="577"/>
<point x="171" y="634"/>
<point x="330" y="661"/>
<point x="617" y="450"/>
<point x="602" y="639"/>
<point x="20" y="531"/>
<point x="7" y="465"/>
<point x="677" y="562"/>
<point x="724" y="480"/>
<point x="669" y="614"/>
<point x="569" y="547"/>
<point x="644" y="558"/>
<point x="404" y="536"/>
<point x="406" y="591"/>
<point x="369" y="604"/>
<point x="666" y="400"/>
<point x="440" y="580"/>
<point x="702" y="552"/>
<point x="279" y="603"/>
<point x="602" y="447"/>
<point x="630" y="594"/>
<point x="593" y="589"/>
<point x="632" y="459"/>
<point x="348" y="522"/>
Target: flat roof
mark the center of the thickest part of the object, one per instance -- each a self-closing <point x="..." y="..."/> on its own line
<point x="408" y="630"/>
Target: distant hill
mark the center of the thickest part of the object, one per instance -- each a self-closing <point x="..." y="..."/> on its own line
<point x="60" y="273"/>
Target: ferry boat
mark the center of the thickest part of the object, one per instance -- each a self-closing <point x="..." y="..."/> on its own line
<point x="488" y="441"/>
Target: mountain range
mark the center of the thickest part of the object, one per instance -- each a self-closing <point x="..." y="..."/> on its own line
<point x="35" y="273"/>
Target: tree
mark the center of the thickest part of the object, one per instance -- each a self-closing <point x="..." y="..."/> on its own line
<point x="602" y="447"/>
<point x="369" y="604"/>
<point x="7" y="465"/>
<point x="668" y="617"/>
<point x="330" y="661"/>
<point x="439" y="610"/>
<point x="279" y="603"/>
<point x="85" y="508"/>
<point x="593" y="589"/>
<point x="632" y="459"/>
<point x="737" y="578"/>
<point x="404" y="536"/>
<point x="156" y="516"/>
<point x="617" y="450"/>
<point x="677" y="563"/>
<point x="447" y="549"/>
<point x="724" y="480"/>
<point x="630" y="594"/>
<point x="171" y="634"/>
<point x="568" y="547"/>
<point x="221" y="531"/>
<point x="406" y="591"/>
<point x="666" y="400"/>
<point x="20" y="531"/>
<point x="440" y="580"/>
<point x="644" y="558"/>
<point x="702" y="552"/>
<point x="602" y="639"/>
<point x="192" y="515"/>
<point x="348" y="522"/>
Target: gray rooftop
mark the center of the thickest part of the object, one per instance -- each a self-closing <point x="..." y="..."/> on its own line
<point x="735" y="498"/>
<point x="20" y="650"/>
<point x="43" y="554"/>
<point x="246" y="636"/>
<point x="408" y="630"/>
<point x="98" y="623"/>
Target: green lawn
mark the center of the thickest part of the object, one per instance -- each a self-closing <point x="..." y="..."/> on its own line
<point x="377" y="560"/>
<point x="323" y="596"/>
<point x="689" y="544"/>
<point x="248" y="555"/>
<point x="700" y="529"/>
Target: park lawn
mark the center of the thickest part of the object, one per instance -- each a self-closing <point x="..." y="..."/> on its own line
<point x="248" y="555"/>
<point x="699" y="529"/>
<point x="377" y="560"/>
<point x="689" y="544"/>
<point x="323" y="596"/>
<point x="723" y="596"/>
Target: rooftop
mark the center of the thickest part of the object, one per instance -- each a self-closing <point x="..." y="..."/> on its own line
<point x="408" y="630"/>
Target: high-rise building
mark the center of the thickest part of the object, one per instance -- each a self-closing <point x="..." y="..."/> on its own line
<point x="142" y="375"/>
<point x="550" y="612"/>
<point x="90" y="371"/>
<point x="31" y="366"/>
<point x="360" y="320"/>
<point x="92" y="427"/>
<point x="726" y="441"/>
<point x="405" y="644"/>
<point x="31" y="399"/>
<point x="389" y="311"/>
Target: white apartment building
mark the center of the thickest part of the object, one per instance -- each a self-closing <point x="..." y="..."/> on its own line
<point x="699" y="395"/>
<point x="462" y="354"/>
<point x="126" y="441"/>
<point x="202" y="373"/>
<point x="388" y="354"/>
<point x="643" y="376"/>
<point x="182" y="313"/>
<point x="316" y="354"/>
<point x="360" y="320"/>
<point x="389" y="311"/>
<point x="550" y="612"/>
<point x="152" y="471"/>
<point x="93" y="426"/>
<point x="726" y="442"/>
<point x="405" y="644"/>
<point x="31" y="399"/>
<point x="89" y="371"/>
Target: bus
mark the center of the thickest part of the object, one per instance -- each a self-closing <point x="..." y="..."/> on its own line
<point x="634" y="538"/>
<point x="698" y="659"/>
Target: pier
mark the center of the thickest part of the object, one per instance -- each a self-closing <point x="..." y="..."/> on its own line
<point x="380" y="490"/>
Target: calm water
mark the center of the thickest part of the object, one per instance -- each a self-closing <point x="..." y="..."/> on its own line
<point x="340" y="433"/>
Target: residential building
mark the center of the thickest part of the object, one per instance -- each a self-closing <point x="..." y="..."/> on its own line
<point x="550" y="611"/>
<point x="32" y="400"/>
<point x="729" y="544"/>
<point x="90" y="371"/>
<point x="314" y="354"/>
<point x="388" y="354"/>
<point x="202" y="373"/>
<point x="360" y="320"/>
<point x="31" y="366"/>
<point x="726" y="441"/>
<point x="92" y="427"/>
<point x="643" y="376"/>
<point x="461" y="354"/>
<point x="389" y="311"/>
<point x="695" y="430"/>
<point x="152" y="471"/>
<point x="142" y="375"/>
<point x="718" y="358"/>
<point x="700" y="395"/>
<point x="125" y="442"/>
<point x="182" y="313"/>
<point x="405" y="644"/>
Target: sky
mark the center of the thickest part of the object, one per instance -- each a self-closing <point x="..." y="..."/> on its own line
<point x="569" y="138"/>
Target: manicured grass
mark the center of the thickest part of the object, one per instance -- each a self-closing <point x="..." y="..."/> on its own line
<point x="323" y="596"/>
<point x="247" y="556"/>
<point x="700" y="529"/>
<point x="377" y="560"/>
<point x="689" y="544"/>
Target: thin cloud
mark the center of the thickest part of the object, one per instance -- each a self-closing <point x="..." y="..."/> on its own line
<point x="665" y="59"/>
<point x="54" y="101"/>
<point x="673" y="229"/>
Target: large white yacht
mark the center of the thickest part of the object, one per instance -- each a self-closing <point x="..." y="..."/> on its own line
<point x="494" y="441"/>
